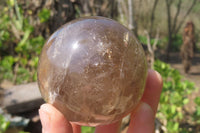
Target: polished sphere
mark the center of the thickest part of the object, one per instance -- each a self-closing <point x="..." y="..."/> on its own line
<point x="93" y="70"/>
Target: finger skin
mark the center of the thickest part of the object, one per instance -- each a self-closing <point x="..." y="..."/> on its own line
<point x="53" y="121"/>
<point x="142" y="119"/>
<point x="153" y="89"/>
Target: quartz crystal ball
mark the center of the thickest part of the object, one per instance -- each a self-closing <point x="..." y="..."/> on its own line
<point x="93" y="70"/>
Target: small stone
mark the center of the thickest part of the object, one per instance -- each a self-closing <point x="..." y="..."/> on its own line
<point x="93" y="70"/>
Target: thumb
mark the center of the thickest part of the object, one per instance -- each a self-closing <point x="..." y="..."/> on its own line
<point x="53" y="121"/>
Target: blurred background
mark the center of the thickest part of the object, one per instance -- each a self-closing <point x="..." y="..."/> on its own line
<point x="169" y="31"/>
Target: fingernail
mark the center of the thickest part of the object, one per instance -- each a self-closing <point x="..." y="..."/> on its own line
<point x="45" y="120"/>
<point x="158" y="76"/>
<point x="146" y="115"/>
<point x="142" y="121"/>
<point x="144" y="107"/>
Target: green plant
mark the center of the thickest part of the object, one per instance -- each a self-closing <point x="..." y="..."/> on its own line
<point x="4" y="124"/>
<point x="85" y="129"/>
<point x="19" y="47"/>
<point x="196" y="115"/>
<point x="177" y="41"/>
<point x="44" y="15"/>
<point x="173" y="97"/>
<point x="23" y="132"/>
<point x="143" y="40"/>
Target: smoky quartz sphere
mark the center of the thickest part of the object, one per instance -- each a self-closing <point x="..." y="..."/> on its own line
<point x="93" y="70"/>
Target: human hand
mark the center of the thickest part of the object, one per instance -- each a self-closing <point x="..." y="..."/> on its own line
<point x="142" y="118"/>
